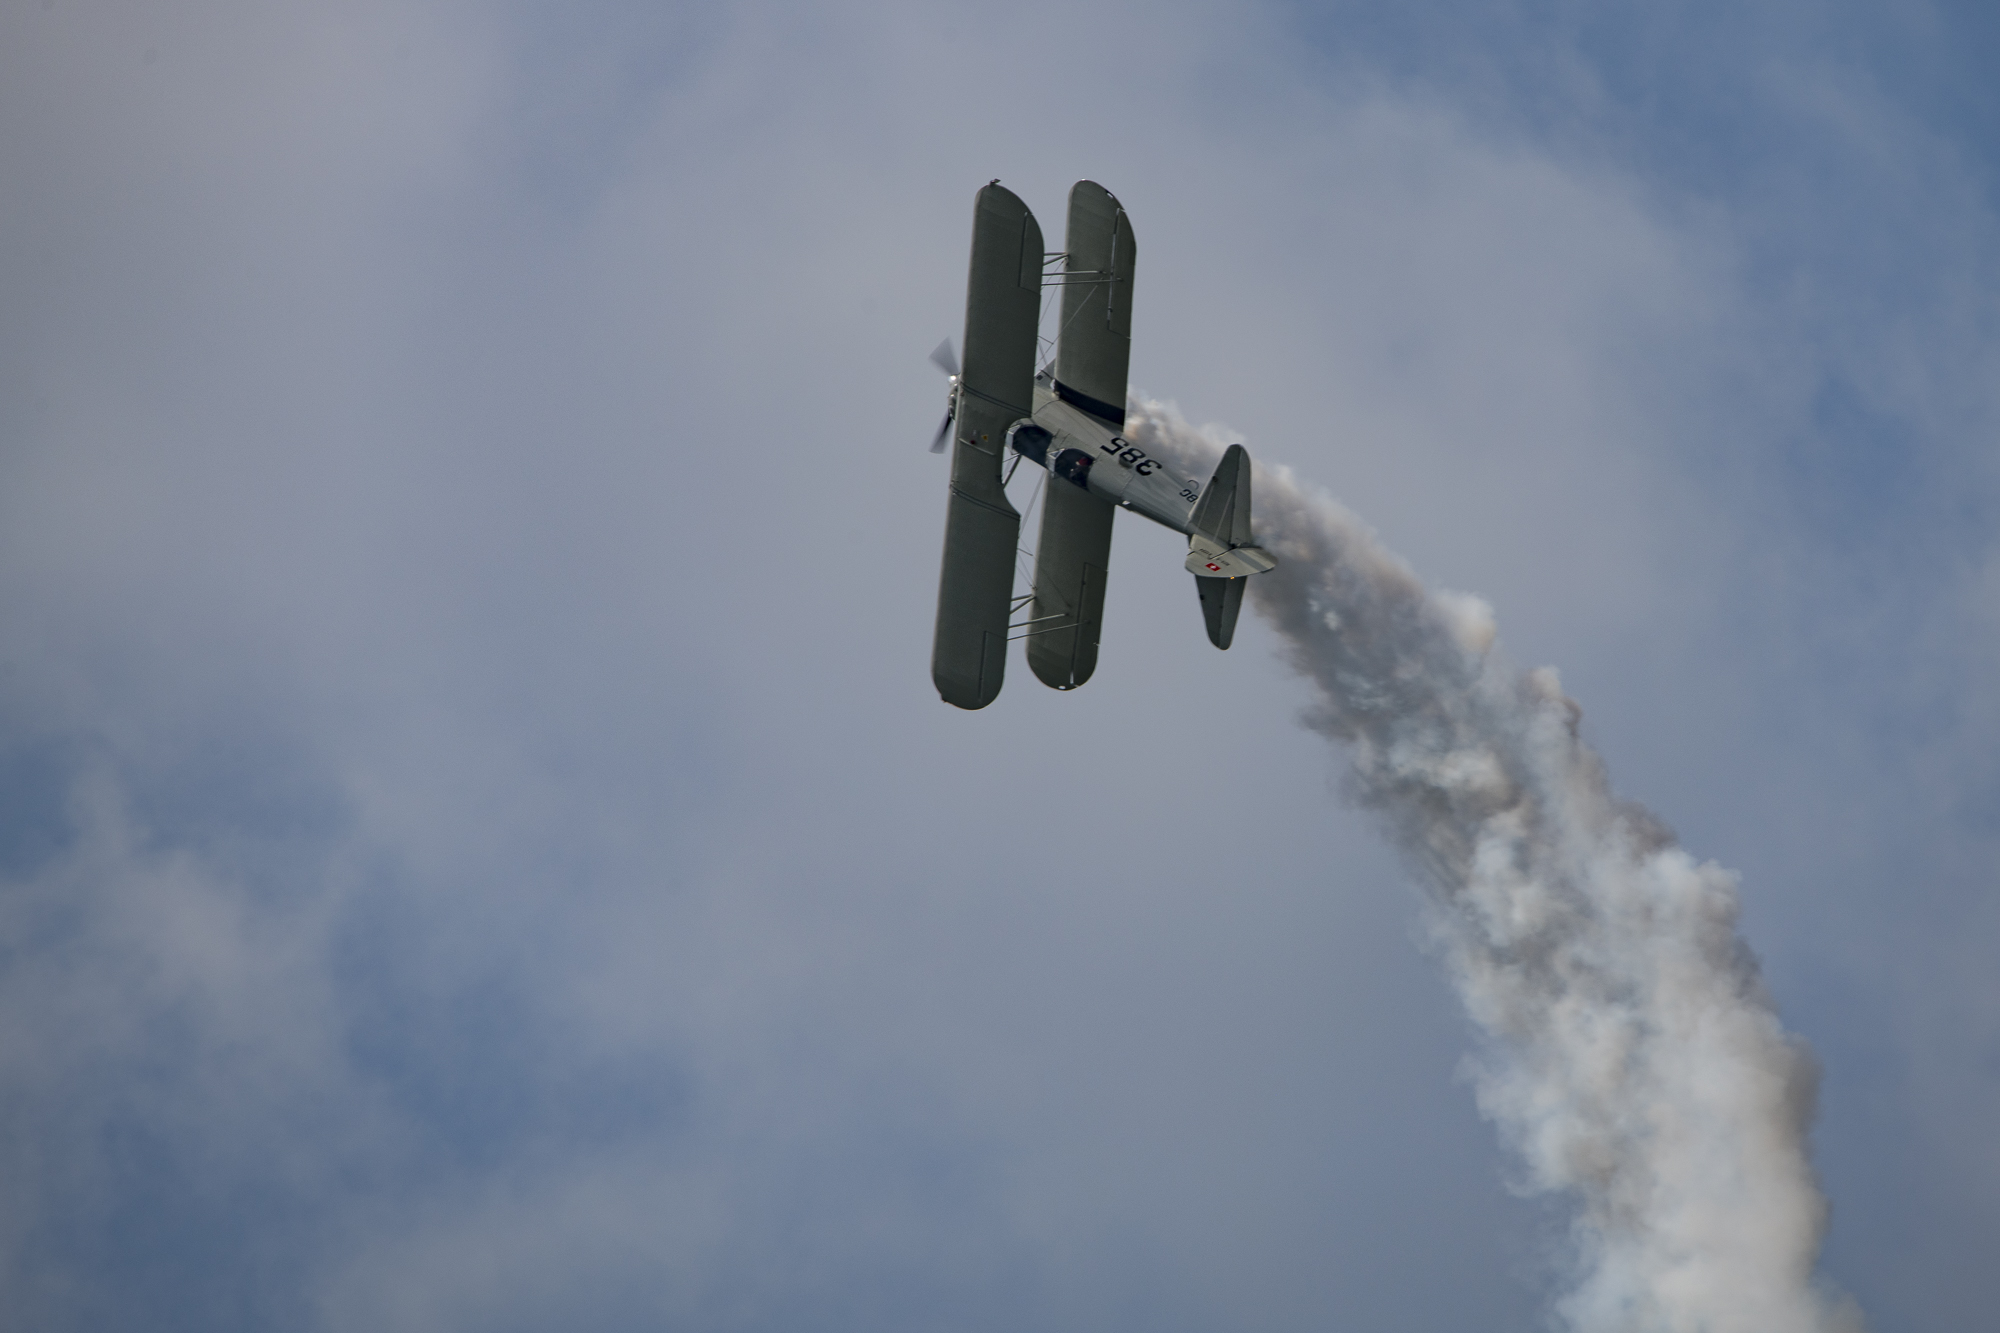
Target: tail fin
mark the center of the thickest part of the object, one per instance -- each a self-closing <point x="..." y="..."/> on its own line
<point x="1221" y="553"/>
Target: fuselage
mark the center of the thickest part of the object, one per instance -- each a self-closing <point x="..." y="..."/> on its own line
<point x="1083" y="450"/>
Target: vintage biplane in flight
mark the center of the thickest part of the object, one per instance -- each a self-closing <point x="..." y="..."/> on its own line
<point x="1068" y="417"/>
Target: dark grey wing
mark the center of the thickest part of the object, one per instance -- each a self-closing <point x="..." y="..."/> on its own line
<point x="982" y="530"/>
<point x="1094" y="342"/>
<point x="1070" y="561"/>
<point x="1093" y="348"/>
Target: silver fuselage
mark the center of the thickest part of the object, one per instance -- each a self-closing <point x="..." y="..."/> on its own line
<point x="1086" y="451"/>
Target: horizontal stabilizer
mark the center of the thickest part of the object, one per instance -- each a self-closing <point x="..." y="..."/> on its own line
<point x="1221" y="600"/>
<point x="1224" y="510"/>
<point x="1219" y="539"/>
<point x="1220" y="550"/>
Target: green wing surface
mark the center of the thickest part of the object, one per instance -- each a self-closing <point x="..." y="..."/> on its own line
<point x="1093" y="350"/>
<point x="982" y="530"/>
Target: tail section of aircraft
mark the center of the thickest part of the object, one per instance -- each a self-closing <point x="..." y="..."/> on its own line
<point x="1221" y="600"/>
<point x="1221" y="553"/>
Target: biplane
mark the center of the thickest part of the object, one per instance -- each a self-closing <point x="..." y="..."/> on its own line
<point x="1068" y="417"/>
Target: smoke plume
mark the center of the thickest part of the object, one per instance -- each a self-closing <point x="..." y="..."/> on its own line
<point x="1632" y="1061"/>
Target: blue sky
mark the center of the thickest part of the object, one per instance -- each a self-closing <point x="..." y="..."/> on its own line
<point x="479" y="848"/>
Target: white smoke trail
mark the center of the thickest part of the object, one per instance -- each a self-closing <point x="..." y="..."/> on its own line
<point x="1635" y="1063"/>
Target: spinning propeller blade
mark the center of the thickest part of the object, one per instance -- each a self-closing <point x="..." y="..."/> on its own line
<point x="946" y="360"/>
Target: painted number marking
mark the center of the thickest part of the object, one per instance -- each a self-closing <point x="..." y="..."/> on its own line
<point x="1130" y="456"/>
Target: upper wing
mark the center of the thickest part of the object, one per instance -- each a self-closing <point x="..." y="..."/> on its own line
<point x="1094" y="344"/>
<point x="982" y="530"/>
<point x="1093" y="348"/>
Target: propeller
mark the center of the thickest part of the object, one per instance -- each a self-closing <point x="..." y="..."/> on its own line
<point x="944" y="359"/>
